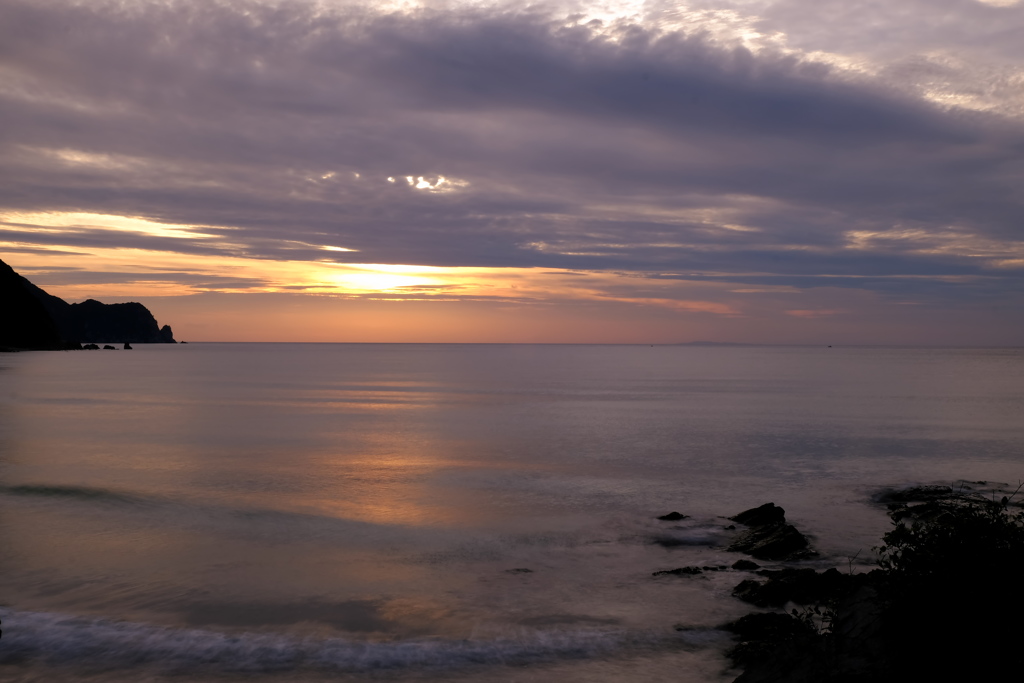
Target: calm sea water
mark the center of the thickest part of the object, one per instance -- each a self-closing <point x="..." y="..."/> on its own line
<point x="446" y="512"/>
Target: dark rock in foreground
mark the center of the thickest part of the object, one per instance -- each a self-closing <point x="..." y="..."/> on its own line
<point x="769" y="536"/>
<point x="802" y="586"/>
<point x="769" y="513"/>
<point x="943" y="605"/>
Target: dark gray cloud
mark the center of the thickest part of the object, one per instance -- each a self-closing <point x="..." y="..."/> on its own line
<point x="568" y="145"/>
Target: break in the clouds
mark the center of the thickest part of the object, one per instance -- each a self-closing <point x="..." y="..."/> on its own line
<point x="710" y="157"/>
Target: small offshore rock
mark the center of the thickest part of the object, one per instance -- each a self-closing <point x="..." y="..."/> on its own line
<point x="108" y="347"/>
<point x="667" y="541"/>
<point x="745" y="565"/>
<point x="91" y="347"/>
<point x="673" y="516"/>
<point x="682" y="571"/>
<point x="127" y="346"/>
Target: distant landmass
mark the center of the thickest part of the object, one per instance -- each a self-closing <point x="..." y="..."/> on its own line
<point x="32" y="319"/>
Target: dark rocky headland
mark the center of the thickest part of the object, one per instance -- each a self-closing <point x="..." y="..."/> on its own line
<point x="32" y="319"/>
<point x="944" y="603"/>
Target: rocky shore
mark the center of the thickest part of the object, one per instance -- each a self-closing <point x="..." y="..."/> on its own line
<point x="944" y="603"/>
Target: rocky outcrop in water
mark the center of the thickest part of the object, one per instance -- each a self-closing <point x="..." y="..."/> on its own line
<point x="34" y="319"/>
<point x="770" y="537"/>
<point x="690" y="571"/>
<point x="943" y="605"/>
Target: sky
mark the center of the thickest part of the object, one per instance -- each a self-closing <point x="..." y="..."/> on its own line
<point x="759" y="171"/>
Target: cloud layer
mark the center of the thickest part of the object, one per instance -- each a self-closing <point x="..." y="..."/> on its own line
<point x="758" y="146"/>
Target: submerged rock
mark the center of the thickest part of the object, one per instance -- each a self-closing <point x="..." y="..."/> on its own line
<point x="673" y="517"/>
<point x="682" y="571"/>
<point x="914" y="494"/>
<point x="802" y="586"/>
<point x="692" y="537"/>
<point x="745" y="565"/>
<point x="669" y="541"/>
<point x="690" y="571"/>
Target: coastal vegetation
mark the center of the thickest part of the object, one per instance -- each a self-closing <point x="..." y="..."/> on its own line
<point x="944" y="602"/>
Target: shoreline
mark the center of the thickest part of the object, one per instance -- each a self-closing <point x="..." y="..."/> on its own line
<point x="808" y="625"/>
<point x="946" y="582"/>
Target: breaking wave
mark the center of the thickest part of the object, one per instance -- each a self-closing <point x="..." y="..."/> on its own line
<point x="75" y="492"/>
<point x="61" y="639"/>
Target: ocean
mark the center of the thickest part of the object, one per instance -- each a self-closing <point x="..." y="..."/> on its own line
<point x="307" y="512"/>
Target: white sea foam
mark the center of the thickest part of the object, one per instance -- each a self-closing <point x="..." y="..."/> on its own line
<point x="62" y="639"/>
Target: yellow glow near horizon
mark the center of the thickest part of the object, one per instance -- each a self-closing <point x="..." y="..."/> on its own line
<point x="60" y="221"/>
<point x="173" y="274"/>
<point x="380" y="282"/>
<point x="76" y="272"/>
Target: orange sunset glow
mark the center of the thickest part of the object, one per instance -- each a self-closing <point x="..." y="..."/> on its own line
<point x="616" y="172"/>
<point x="477" y="341"/>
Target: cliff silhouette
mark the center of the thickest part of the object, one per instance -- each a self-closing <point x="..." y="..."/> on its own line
<point x="32" y="319"/>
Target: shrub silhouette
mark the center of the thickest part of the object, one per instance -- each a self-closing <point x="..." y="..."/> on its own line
<point x="945" y="604"/>
<point x="952" y="590"/>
